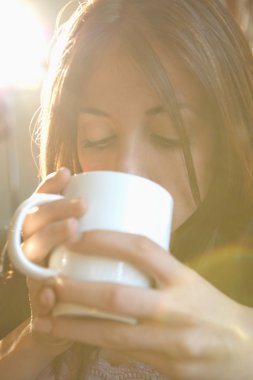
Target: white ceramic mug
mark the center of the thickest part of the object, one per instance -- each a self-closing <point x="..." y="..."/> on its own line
<point x="115" y="201"/>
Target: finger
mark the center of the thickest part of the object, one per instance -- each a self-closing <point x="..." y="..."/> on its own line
<point x="39" y="245"/>
<point x="101" y="333"/>
<point x="137" y="250"/>
<point x="55" y="182"/>
<point x="113" y="335"/>
<point x="44" y="301"/>
<point x="175" y="343"/>
<point x="107" y="297"/>
<point x="136" y="302"/>
<point x="48" y="213"/>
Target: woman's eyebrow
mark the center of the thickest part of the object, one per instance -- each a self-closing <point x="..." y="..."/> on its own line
<point x="98" y="112"/>
<point x="160" y="109"/>
<point x="150" y="112"/>
<point x="94" y="111"/>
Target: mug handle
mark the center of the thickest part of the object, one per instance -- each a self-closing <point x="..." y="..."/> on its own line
<point x="15" y="251"/>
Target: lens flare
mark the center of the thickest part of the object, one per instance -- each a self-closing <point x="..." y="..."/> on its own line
<point x="229" y="268"/>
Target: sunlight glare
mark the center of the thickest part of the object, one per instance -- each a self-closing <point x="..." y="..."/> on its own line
<point x="22" y="44"/>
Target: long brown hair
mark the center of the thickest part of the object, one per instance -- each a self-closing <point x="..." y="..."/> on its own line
<point x="212" y="47"/>
<point x="210" y="44"/>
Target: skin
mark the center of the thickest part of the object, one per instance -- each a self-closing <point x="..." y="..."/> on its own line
<point x="123" y="122"/>
<point x="187" y="329"/>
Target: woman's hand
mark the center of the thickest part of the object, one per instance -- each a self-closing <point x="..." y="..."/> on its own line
<point x="46" y="227"/>
<point x="187" y="329"/>
<point x="24" y="353"/>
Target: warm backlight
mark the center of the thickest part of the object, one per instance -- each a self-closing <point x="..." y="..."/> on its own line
<point x="22" y="45"/>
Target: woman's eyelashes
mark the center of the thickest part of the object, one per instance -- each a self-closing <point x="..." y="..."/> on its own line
<point x="155" y="139"/>
<point x="165" y="142"/>
<point x="98" y="143"/>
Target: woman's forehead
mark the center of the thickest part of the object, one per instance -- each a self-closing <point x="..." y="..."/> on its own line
<point x="117" y="69"/>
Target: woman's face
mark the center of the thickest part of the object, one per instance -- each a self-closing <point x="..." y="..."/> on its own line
<point x="123" y="126"/>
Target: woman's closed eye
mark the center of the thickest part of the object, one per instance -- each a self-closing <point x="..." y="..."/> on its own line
<point x="98" y="143"/>
<point x="165" y="142"/>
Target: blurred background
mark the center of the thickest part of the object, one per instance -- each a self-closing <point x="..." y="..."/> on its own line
<point x="26" y="28"/>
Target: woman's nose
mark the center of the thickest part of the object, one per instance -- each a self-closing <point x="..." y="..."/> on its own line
<point x="132" y="158"/>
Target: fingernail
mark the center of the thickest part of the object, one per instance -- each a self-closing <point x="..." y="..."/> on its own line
<point x="64" y="171"/>
<point x="76" y="200"/>
<point x="79" y="203"/>
<point x="42" y="325"/>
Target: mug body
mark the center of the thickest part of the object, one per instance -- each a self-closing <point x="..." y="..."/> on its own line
<point x="115" y="202"/>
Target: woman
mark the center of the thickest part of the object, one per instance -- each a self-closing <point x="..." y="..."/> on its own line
<point x="162" y="89"/>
